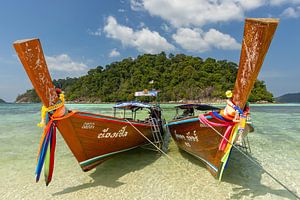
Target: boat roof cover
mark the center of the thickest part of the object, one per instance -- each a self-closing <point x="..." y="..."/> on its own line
<point x="146" y="93"/>
<point x="198" y="107"/>
<point x="132" y="105"/>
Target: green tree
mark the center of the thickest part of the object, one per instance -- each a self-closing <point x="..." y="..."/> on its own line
<point x="178" y="77"/>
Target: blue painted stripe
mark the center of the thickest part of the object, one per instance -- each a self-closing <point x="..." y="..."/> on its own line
<point x="186" y="121"/>
<point x="208" y="163"/>
<point x="217" y="115"/>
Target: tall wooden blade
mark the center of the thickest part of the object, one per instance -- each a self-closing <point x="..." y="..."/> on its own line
<point x="31" y="55"/>
<point x="258" y="34"/>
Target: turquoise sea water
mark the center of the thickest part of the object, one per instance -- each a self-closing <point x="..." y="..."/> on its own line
<point x="143" y="174"/>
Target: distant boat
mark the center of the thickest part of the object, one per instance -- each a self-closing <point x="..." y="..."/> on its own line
<point x="92" y="138"/>
<point x="209" y="136"/>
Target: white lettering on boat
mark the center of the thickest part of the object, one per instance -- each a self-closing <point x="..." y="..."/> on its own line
<point x="202" y="125"/>
<point x="187" y="144"/>
<point x="187" y="136"/>
<point x="118" y="134"/>
<point x="88" y="125"/>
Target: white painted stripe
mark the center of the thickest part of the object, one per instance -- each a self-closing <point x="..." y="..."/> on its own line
<point x="105" y="155"/>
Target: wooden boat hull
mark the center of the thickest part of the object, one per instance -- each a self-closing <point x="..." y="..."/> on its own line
<point x="198" y="140"/>
<point x="210" y="138"/>
<point x="94" y="138"/>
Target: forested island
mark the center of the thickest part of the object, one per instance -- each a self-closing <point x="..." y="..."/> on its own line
<point x="2" y="101"/>
<point x="289" y="98"/>
<point x="178" y="77"/>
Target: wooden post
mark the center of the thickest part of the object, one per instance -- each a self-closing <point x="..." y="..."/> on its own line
<point x="258" y="34"/>
<point x="31" y="55"/>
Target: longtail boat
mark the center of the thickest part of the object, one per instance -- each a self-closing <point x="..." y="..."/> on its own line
<point x="210" y="136"/>
<point x="92" y="138"/>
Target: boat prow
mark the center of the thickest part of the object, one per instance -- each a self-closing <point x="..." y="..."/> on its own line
<point x="92" y="138"/>
<point x="210" y="136"/>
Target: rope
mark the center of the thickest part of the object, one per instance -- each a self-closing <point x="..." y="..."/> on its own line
<point x="170" y="158"/>
<point x="147" y="138"/>
<point x="257" y="164"/>
<point x="253" y="161"/>
<point x="45" y="110"/>
<point x="46" y="152"/>
<point x="248" y="157"/>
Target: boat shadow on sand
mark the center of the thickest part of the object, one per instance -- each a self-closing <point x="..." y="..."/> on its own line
<point x="244" y="176"/>
<point x="108" y="173"/>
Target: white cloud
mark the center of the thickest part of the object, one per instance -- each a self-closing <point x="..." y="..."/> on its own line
<point x="64" y="63"/>
<point x="199" y="41"/>
<point x="121" y="10"/>
<point x="142" y="25"/>
<point x="277" y="2"/>
<point x="221" y="40"/>
<point x="165" y="27"/>
<point x="280" y="2"/>
<point x="114" y="53"/>
<point x="144" y="40"/>
<point x="189" y="17"/>
<point x="291" y="12"/>
<point x="116" y="31"/>
<point x="95" y="33"/>
<point x="197" y="13"/>
<point x="191" y="39"/>
<point x="250" y="4"/>
<point x="136" y="5"/>
<point x="194" y="12"/>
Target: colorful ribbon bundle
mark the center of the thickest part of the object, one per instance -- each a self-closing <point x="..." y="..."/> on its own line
<point x="234" y="128"/>
<point x="46" y="152"/>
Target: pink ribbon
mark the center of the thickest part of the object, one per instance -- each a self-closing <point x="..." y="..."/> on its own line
<point x="227" y="133"/>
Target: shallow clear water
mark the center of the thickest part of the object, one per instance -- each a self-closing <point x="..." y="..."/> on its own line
<point x="143" y="174"/>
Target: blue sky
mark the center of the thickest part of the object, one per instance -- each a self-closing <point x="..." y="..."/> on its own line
<point x="79" y="35"/>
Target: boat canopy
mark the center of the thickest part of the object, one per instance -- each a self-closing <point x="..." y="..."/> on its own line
<point x="197" y="107"/>
<point x="146" y="93"/>
<point x="132" y="105"/>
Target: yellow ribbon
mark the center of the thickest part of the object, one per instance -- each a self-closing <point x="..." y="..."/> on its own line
<point x="45" y="109"/>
